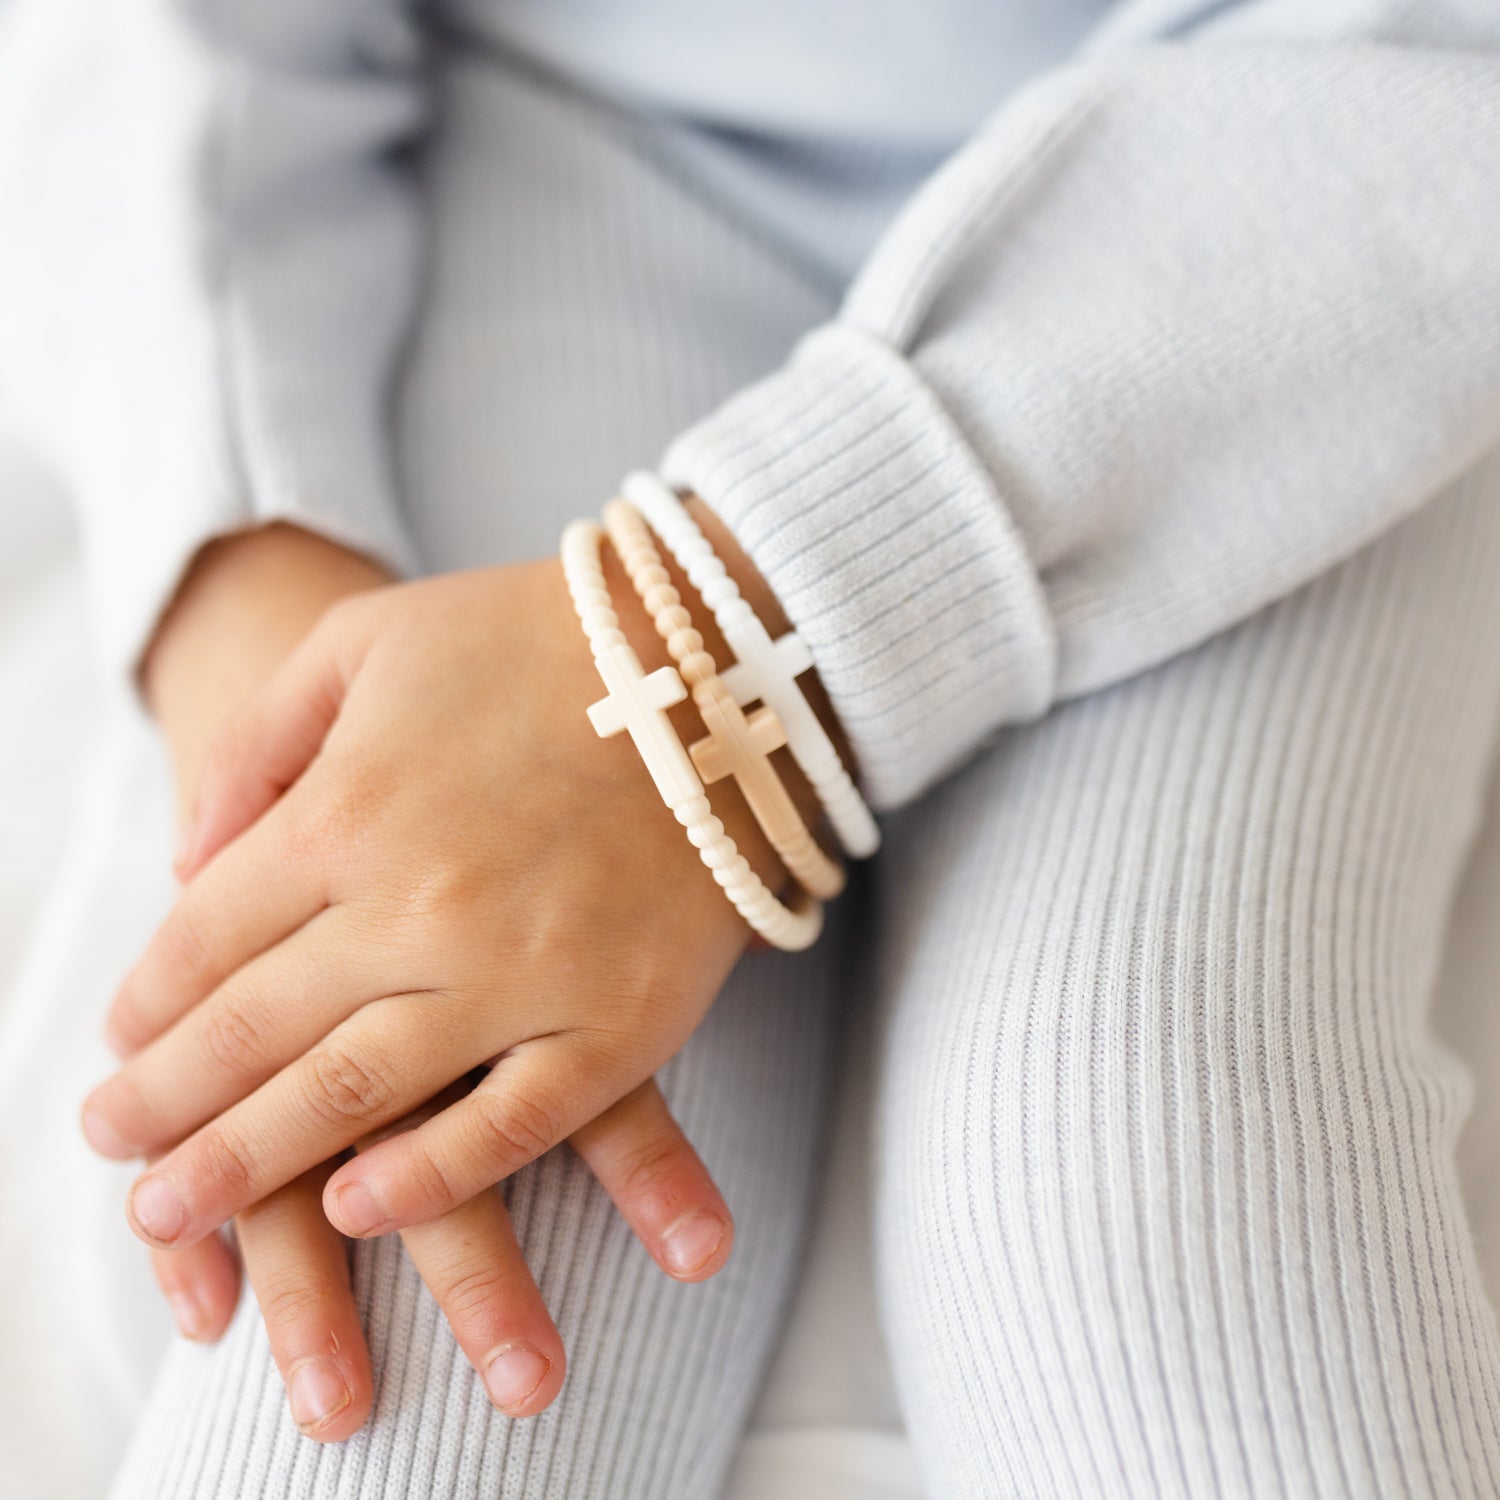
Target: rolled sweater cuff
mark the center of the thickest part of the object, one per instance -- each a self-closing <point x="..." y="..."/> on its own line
<point x="871" y="519"/>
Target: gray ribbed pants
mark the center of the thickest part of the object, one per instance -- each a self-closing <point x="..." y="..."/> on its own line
<point x="1166" y="1202"/>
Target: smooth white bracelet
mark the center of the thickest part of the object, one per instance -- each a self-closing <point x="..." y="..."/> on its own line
<point x="738" y="745"/>
<point x="637" y="703"/>
<point x="764" y="669"/>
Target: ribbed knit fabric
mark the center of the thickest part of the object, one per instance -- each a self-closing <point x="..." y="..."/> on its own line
<point x="1167" y="1202"/>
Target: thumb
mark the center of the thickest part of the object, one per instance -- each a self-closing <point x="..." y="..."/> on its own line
<point x="268" y="739"/>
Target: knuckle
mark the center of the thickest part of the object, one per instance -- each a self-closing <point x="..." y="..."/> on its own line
<point x="227" y="1162"/>
<point x="468" y="1295"/>
<point x="182" y="946"/>
<point x="321" y="824"/>
<point x="424" y="1184"/>
<point x="288" y="1302"/>
<point x="443" y="907"/>
<point x="512" y="1129"/>
<point x="344" y="1088"/>
<point x="649" y="1171"/>
<point x="234" y="1037"/>
<point x="444" y="898"/>
<point x="335" y="812"/>
<point x="130" y="1107"/>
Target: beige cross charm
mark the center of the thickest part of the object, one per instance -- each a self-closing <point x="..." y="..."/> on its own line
<point x="741" y="747"/>
<point x="759" y="733"/>
<point x="637" y="703"/>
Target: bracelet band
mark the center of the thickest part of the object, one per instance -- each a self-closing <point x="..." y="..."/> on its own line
<point x="636" y="702"/>
<point x="764" y="669"/>
<point x="737" y="745"/>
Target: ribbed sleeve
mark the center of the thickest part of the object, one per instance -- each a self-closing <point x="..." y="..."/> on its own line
<point x="850" y="486"/>
<point x="1182" y="327"/>
<point x="207" y="268"/>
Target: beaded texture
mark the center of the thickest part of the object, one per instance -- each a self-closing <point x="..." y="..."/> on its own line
<point x="737" y="745"/>
<point x="637" y="702"/>
<point x="764" y="670"/>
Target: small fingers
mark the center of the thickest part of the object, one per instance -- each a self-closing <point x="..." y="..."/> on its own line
<point x="372" y="1069"/>
<point x="249" y="898"/>
<point x="201" y="1285"/>
<point x="648" y="1167"/>
<point x="297" y="1264"/>
<point x="264" y="1016"/>
<point x="474" y="1267"/>
<point x="535" y="1097"/>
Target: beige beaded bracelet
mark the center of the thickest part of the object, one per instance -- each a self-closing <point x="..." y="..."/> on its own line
<point x="737" y="745"/>
<point x="637" y="703"/>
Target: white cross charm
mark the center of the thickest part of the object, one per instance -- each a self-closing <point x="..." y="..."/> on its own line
<point x="762" y="664"/>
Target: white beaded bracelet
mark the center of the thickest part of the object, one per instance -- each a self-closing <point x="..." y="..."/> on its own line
<point x="764" y="669"/>
<point x="737" y="745"/>
<point x="637" y="703"/>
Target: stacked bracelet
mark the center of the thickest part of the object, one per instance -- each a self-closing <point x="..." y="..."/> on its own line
<point x="764" y="669"/>
<point x="637" y="703"/>
<point x="737" y="745"/>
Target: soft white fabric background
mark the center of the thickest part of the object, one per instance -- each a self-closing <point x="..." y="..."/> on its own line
<point x="84" y="833"/>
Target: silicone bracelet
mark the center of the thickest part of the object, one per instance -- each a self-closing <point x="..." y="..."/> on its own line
<point x="737" y="745"/>
<point x="636" y="703"/>
<point x="764" y="669"/>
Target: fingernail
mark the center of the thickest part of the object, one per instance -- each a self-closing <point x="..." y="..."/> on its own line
<point x="191" y="1315"/>
<point x="103" y="1137"/>
<point x="513" y="1374"/>
<point x="318" y="1392"/>
<point x="356" y="1209"/>
<point x="690" y="1243"/>
<point x="115" y="1040"/>
<point x="158" y="1208"/>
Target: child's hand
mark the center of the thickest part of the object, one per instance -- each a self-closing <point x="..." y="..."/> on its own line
<point x="296" y="1262"/>
<point x="442" y="866"/>
<point x="249" y="601"/>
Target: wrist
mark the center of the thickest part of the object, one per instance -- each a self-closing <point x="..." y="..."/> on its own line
<point x="729" y="804"/>
<point x="758" y="594"/>
<point x="728" y="800"/>
<point x="244" y="602"/>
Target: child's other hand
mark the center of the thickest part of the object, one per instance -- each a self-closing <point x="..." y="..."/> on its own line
<point x="298" y="1265"/>
<point x="442" y="868"/>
